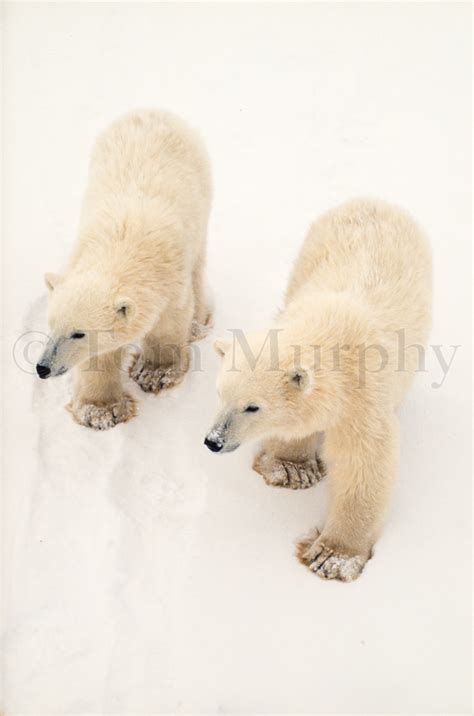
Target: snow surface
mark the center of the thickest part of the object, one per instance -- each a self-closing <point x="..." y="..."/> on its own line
<point x="141" y="573"/>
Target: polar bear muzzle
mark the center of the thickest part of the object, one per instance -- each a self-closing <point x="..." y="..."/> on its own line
<point x="51" y="363"/>
<point x="217" y="439"/>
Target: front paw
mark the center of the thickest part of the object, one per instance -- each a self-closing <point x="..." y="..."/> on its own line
<point x="329" y="560"/>
<point x="153" y="379"/>
<point x="286" y="473"/>
<point x="103" y="416"/>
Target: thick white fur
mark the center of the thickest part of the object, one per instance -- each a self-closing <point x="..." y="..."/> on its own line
<point x="136" y="272"/>
<point x="363" y="274"/>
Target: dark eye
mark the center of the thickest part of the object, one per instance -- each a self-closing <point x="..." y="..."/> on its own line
<point x="77" y="334"/>
<point x="251" y="409"/>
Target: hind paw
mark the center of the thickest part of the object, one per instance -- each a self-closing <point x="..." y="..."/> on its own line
<point x="199" y="330"/>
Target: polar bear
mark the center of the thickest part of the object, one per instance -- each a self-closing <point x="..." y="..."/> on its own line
<point x="337" y="362"/>
<point x="136" y="272"/>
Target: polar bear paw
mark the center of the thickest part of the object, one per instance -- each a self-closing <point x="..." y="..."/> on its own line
<point x="328" y="560"/>
<point x="104" y="417"/>
<point x="290" y="474"/>
<point x="199" y="330"/>
<point x="152" y="379"/>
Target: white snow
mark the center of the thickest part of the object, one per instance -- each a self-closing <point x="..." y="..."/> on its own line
<point x="142" y="573"/>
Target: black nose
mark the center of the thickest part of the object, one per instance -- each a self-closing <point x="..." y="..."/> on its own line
<point x="215" y="447"/>
<point x="42" y="370"/>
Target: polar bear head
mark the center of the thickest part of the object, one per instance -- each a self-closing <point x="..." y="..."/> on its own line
<point x="89" y="313"/>
<point x="268" y="387"/>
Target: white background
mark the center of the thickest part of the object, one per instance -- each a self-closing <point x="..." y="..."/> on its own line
<point x="142" y="574"/>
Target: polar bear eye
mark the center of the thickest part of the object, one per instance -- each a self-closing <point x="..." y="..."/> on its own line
<point x="251" y="409"/>
<point x="77" y="334"/>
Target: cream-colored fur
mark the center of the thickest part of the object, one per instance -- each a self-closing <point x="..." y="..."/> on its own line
<point x="362" y="276"/>
<point x="136" y="273"/>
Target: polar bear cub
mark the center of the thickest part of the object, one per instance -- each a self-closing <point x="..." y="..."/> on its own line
<point x="338" y="361"/>
<point x="136" y="273"/>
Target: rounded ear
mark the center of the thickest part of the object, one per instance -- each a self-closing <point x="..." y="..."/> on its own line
<point x="51" y="280"/>
<point x="299" y="378"/>
<point x="123" y="308"/>
<point x="221" y="347"/>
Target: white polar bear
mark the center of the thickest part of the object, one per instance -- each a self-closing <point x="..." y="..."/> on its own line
<point x="136" y="273"/>
<point x="338" y="362"/>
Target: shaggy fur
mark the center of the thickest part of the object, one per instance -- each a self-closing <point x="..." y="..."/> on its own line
<point x="136" y="273"/>
<point x="363" y="275"/>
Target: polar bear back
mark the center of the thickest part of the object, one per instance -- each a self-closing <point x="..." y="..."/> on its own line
<point x="149" y="152"/>
<point x="376" y="252"/>
<point x="149" y="163"/>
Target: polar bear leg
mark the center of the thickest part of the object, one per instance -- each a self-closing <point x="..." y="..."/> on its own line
<point x="164" y="359"/>
<point x="202" y="312"/>
<point x="98" y="400"/>
<point x="292" y="464"/>
<point x="362" y="472"/>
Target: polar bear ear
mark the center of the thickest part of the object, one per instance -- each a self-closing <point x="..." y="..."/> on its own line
<point x="123" y="308"/>
<point x="221" y="347"/>
<point x="299" y="378"/>
<point x="51" y="280"/>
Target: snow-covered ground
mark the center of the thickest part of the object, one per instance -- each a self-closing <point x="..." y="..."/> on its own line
<point x="141" y="573"/>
